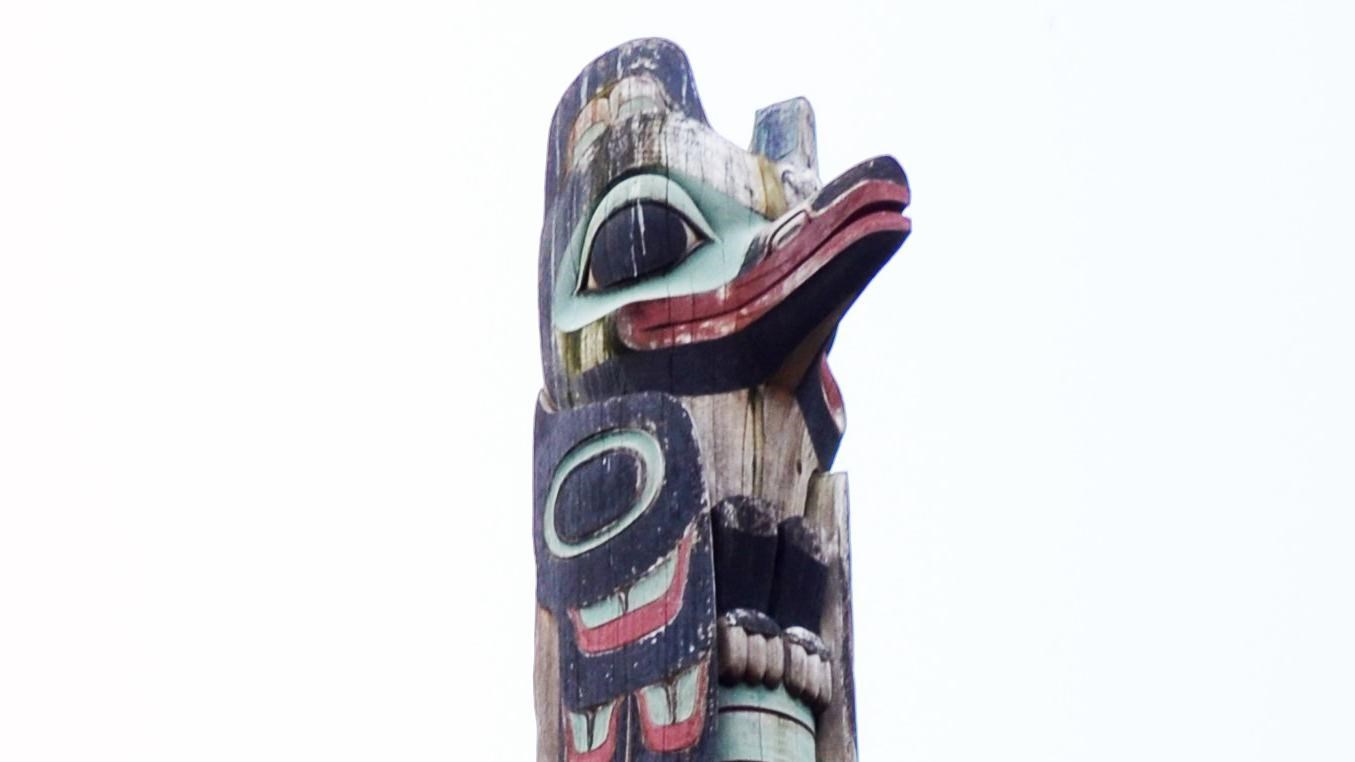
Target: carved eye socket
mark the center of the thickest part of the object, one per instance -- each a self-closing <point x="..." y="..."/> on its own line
<point x="638" y="239"/>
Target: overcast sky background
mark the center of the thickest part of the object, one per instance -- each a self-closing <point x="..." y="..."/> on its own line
<point x="268" y="359"/>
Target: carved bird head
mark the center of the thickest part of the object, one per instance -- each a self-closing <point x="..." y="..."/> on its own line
<point x="673" y="260"/>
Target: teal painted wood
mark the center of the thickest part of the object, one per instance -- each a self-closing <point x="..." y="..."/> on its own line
<point x="756" y="737"/>
<point x="760" y="724"/>
<point x="761" y="698"/>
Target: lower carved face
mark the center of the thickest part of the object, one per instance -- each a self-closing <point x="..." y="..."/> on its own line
<point x="638" y="608"/>
<point x="668" y="718"/>
<point x="624" y="564"/>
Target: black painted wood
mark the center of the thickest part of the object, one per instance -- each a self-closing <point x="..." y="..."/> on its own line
<point x="801" y="576"/>
<point x="745" y="553"/>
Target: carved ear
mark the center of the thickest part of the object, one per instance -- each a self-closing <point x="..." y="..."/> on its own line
<point x="785" y="132"/>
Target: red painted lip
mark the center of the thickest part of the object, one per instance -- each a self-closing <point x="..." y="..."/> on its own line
<point x="832" y="394"/>
<point x="602" y="753"/>
<point x="646" y="620"/>
<point x="682" y="734"/>
<point x="811" y="241"/>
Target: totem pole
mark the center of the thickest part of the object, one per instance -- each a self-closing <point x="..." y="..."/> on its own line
<point x="693" y="591"/>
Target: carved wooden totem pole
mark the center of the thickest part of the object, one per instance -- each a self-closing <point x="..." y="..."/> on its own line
<point x="693" y="594"/>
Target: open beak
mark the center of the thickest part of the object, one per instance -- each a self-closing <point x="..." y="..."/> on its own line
<point x="816" y="260"/>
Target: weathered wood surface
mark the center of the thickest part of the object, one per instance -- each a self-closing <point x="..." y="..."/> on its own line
<point x="693" y="580"/>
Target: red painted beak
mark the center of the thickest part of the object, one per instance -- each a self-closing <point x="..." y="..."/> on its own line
<point x="823" y="253"/>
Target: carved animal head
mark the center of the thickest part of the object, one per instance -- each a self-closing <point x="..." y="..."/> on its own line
<point x="673" y="260"/>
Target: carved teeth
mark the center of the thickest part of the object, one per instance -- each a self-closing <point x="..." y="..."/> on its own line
<point x="648" y="605"/>
<point x="672" y="712"/>
<point x="673" y="701"/>
<point x="645" y="590"/>
<point x="590" y="729"/>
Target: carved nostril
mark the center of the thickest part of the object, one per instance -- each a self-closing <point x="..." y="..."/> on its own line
<point x="789" y="229"/>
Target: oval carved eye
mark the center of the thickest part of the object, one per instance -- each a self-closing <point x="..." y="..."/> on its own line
<point x="593" y="498"/>
<point x="597" y="493"/>
<point x="638" y="239"/>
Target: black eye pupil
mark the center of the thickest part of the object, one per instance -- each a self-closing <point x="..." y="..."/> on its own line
<point x="598" y="493"/>
<point x="636" y="240"/>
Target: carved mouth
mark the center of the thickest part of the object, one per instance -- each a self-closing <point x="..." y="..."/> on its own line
<point x="835" y="228"/>
<point x="642" y="608"/>
<point x="673" y="712"/>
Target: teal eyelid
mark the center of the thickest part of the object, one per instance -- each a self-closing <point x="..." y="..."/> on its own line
<point x="710" y="265"/>
<point x="656" y="188"/>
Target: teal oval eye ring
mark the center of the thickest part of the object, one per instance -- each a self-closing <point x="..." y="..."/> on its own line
<point x="642" y="443"/>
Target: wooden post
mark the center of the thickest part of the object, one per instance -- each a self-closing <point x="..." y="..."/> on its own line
<point x="693" y="577"/>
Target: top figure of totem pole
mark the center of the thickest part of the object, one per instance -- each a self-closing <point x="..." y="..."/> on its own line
<point x="693" y="594"/>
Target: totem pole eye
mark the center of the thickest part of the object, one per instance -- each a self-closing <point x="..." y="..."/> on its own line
<point x="638" y="239"/>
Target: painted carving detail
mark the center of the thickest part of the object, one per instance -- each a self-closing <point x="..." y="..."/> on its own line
<point x="691" y="541"/>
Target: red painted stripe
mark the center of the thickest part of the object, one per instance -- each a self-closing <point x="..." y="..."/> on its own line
<point x="832" y="395"/>
<point x="602" y="753"/>
<point x="679" y="735"/>
<point x="647" y="619"/>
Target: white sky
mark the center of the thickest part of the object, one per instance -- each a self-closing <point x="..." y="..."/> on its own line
<point x="268" y="359"/>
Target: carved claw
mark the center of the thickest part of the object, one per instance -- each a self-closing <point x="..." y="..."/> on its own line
<point x="753" y="649"/>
